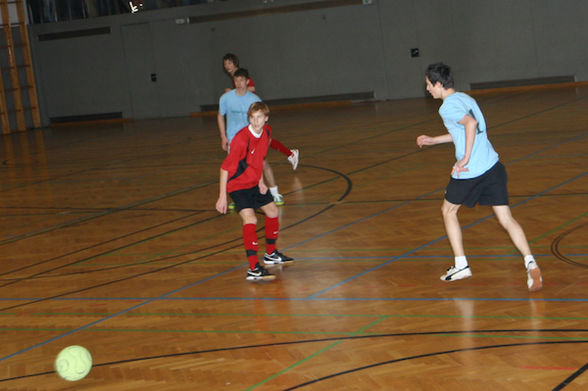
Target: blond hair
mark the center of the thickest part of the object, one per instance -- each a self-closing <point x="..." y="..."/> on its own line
<point x="258" y="106"/>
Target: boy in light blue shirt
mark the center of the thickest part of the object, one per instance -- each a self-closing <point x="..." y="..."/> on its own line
<point x="476" y="177"/>
<point x="483" y="156"/>
<point x="235" y="105"/>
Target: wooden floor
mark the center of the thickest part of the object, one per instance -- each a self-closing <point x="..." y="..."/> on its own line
<point x="110" y="240"/>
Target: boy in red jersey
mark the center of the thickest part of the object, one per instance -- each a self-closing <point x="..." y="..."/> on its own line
<point x="241" y="177"/>
<point x="231" y="65"/>
<point x="234" y="102"/>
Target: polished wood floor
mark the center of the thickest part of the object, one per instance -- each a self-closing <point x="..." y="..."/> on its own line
<point x="110" y="240"/>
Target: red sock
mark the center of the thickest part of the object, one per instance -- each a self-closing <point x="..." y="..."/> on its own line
<point x="278" y="146"/>
<point x="272" y="227"/>
<point x="250" y="242"/>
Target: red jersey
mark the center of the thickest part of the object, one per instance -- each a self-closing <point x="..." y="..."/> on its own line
<point x="245" y="160"/>
<point x="250" y="83"/>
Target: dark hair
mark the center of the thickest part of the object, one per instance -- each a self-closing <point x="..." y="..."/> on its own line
<point x="231" y="57"/>
<point x="241" y="72"/>
<point x="258" y="106"/>
<point x="440" y="72"/>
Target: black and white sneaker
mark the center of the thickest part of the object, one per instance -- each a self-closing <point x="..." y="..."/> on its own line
<point x="277" y="258"/>
<point x="259" y="274"/>
<point x="454" y="274"/>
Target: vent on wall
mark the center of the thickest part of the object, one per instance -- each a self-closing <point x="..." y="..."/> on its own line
<point x="522" y="82"/>
<point x="274" y="9"/>
<point x="74" y="34"/>
<point x="85" y="117"/>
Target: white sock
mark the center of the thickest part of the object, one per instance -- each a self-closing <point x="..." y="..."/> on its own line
<point x="529" y="259"/>
<point x="274" y="191"/>
<point x="461" y="262"/>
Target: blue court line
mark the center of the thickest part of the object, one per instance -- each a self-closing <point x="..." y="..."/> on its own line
<point x="510" y="255"/>
<point x="313" y="297"/>
<point x="440" y="238"/>
<point x="430" y="193"/>
<point x="360" y="220"/>
<point x="116" y="314"/>
<point x="241" y="298"/>
<point x="12" y="299"/>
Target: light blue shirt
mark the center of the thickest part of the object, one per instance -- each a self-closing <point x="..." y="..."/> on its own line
<point x="483" y="157"/>
<point x="235" y="107"/>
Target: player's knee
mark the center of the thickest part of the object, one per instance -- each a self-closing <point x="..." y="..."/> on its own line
<point x="249" y="219"/>
<point x="504" y="217"/>
<point x="271" y="210"/>
<point x="507" y="222"/>
<point x="448" y="210"/>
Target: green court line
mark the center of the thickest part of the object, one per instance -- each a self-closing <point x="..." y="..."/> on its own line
<point x="171" y="251"/>
<point x="166" y="252"/>
<point x="430" y="198"/>
<point x="326" y="348"/>
<point x="174" y="314"/>
<point x="153" y="255"/>
<point x="360" y="332"/>
<point x="366" y="249"/>
<point x="158" y="331"/>
<point x="560" y="227"/>
<point x="335" y="258"/>
<point x="515" y="251"/>
<point x="380" y="178"/>
<point x="338" y="342"/>
<point x="512" y="336"/>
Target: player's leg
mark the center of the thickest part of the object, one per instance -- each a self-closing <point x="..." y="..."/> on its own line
<point x="256" y="272"/>
<point x="270" y="181"/>
<point x="519" y="239"/>
<point x="453" y="228"/>
<point x="250" y="235"/>
<point x="515" y="231"/>
<point x="272" y="229"/>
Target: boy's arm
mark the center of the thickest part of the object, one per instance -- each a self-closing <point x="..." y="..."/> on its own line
<point x="222" y="129"/>
<point x="250" y="85"/>
<point x="262" y="186"/>
<point x="428" y="140"/>
<point x="470" y="125"/>
<point x="278" y="146"/>
<point x="221" y="203"/>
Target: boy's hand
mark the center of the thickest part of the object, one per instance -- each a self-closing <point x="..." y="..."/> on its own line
<point x="225" y="143"/>
<point x="262" y="187"/>
<point x="424" y="140"/>
<point x="221" y="204"/>
<point x="459" y="167"/>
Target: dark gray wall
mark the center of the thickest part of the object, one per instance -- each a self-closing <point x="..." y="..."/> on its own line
<point x="330" y="51"/>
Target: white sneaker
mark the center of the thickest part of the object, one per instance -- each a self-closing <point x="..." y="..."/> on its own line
<point x="279" y="200"/>
<point x="293" y="158"/>
<point x="454" y="274"/>
<point x="534" y="279"/>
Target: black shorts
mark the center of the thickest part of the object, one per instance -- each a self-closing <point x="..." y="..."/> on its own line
<point x="250" y="198"/>
<point x="487" y="189"/>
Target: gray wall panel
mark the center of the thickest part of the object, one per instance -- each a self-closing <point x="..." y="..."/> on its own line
<point x="82" y="75"/>
<point x="319" y="52"/>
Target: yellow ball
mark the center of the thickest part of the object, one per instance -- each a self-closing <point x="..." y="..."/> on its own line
<point x="73" y="363"/>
